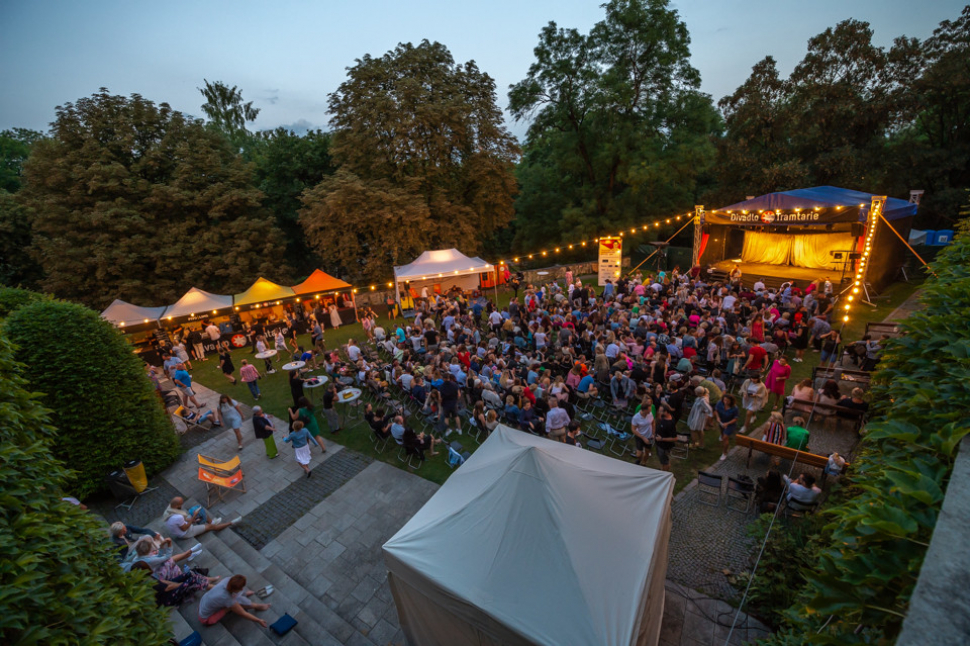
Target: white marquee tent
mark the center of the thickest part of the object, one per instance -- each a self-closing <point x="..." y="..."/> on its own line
<point x="446" y="267"/>
<point x="196" y="301"/>
<point x="535" y="542"/>
<point x="125" y="314"/>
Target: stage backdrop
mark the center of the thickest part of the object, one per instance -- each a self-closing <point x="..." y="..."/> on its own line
<point x="810" y="250"/>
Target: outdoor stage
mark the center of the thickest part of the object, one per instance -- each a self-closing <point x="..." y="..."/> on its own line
<point x="775" y="275"/>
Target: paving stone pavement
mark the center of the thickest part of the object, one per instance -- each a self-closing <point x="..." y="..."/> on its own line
<point x="271" y="518"/>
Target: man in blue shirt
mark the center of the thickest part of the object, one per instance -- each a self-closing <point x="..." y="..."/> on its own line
<point x="183" y="380"/>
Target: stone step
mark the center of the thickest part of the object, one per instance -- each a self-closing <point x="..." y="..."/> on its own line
<point x="240" y="558"/>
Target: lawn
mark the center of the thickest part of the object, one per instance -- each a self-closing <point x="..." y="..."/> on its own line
<point x="276" y="394"/>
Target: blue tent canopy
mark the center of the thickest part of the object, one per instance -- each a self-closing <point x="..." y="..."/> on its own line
<point x="823" y="197"/>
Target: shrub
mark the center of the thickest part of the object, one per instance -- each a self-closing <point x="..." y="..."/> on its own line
<point x="12" y="298"/>
<point x="103" y="404"/>
<point x="59" y="579"/>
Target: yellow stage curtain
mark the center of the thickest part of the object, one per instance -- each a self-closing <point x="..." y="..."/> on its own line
<point x="813" y="250"/>
<point x="767" y="248"/>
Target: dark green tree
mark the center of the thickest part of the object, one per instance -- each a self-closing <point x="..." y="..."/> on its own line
<point x="15" y="146"/>
<point x="425" y="163"/>
<point x="104" y="406"/>
<point x="136" y="201"/>
<point x="17" y="267"/>
<point x="60" y="581"/>
<point x="286" y="164"/>
<point x="619" y="129"/>
<point x="227" y="113"/>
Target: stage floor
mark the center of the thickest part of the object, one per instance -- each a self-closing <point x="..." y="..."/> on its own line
<point x="774" y="275"/>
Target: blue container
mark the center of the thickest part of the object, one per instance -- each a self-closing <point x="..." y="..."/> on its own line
<point x="930" y="237"/>
<point x="943" y="237"/>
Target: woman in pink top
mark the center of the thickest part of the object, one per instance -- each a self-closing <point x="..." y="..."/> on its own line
<point x="249" y="374"/>
<point x="778" y="374"/>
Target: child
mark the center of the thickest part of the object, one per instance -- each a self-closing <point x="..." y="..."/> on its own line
<point x="301" y="438"/>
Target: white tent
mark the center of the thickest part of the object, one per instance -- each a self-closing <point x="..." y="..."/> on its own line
<point x="196" y="301"/>
<point x="535" y="542"/>
<point x="446" y="267"/>
<point x="125" y="314"/>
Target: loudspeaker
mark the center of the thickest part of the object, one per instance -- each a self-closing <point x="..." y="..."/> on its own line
<point x="858" y="229"/>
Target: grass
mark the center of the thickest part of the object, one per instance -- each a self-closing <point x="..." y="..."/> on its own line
<point x="276" y="395"/>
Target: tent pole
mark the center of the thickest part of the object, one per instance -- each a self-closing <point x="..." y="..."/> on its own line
<point x="353" y="299"/>
<point x="906" y="242"/>
<point x="689" y="222"/>
<point x="495" y="285"/>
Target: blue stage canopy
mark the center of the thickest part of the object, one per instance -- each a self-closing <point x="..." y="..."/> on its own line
<point x="832" y="203"/>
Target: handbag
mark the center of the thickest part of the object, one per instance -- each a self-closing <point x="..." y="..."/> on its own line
<point x="283" y="625"/>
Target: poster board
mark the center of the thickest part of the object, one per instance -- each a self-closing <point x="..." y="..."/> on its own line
<point x="611" y="259"/>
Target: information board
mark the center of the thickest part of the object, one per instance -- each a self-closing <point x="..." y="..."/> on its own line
<point x="611" y="259"/>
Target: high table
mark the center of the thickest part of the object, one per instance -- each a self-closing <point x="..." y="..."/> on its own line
<point x="293" y="365"/>
<point x="313" y="383"/>
<point x="349" y="396"/>
<point x="267" y="356"/>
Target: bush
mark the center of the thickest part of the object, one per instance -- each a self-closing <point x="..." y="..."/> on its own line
<point x="59" y="579"/>
<point x="12" y="298"/>
<point x="103" y="403"/>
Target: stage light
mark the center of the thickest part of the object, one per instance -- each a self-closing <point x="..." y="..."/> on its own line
<point x="857" y="282"/>
<point x="846" y="308"/>
<point x="850" y="297"/>
<point x="855" y="290"/>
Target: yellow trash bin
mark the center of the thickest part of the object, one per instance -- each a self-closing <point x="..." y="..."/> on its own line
<point x="135" y="471"/>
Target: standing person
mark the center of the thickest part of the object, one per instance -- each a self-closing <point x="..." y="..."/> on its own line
<point x="264" y="431"/>
<point x="334" y="316"/>
<point x="212" y="331"/>
<point x="305" y="414"/>
<point x="261" y="347"/>
<point x="183" y="380"/>
<point x="557" y="419"/>
<point x="329" y="399"/>
<point x="754" y="396"/>
<point x="296" y="386"/>
<point x="225" y="362"/>
<point x="727" y="418"/>
<point x="642" y="426"/>
<point x="778" y="375"/>
<point x="665" y="436"/>
<point x="195" y="344"/>
<point x="300" y="438"/>
<point x="450" y="391"/>
<point x="799" y="338"/>
<point x="230" y="414"/>
<point x="700" y="413"/>
<point x="316" y="332"/>
<point x="229" y="595"/>
<point x="830" y="347"/>
<point x="249" y="374"/>
<point x="182" y="354"/>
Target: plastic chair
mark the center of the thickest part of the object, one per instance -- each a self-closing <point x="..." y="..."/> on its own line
<point x="220" y="485"/>
<point x="709" y="484"/>
<point x="739" y="490"/>
<point x="682" y="447"/>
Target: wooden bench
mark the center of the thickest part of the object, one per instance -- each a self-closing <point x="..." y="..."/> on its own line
<point x="783" y="452"/>
<point x="823" y="412"/>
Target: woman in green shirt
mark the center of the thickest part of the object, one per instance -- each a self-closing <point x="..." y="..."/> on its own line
<point x="797" y="435"/>
<point x="305" y="415"/>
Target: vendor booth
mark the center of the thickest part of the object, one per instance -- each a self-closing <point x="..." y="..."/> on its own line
<point x="196" y="309"/>
<point x="804" y="235"/>
<point x="320" y="290"/>
<point x="439" y="271"/>
<point x="139" y="325"/>
<point x="535" y="542"/>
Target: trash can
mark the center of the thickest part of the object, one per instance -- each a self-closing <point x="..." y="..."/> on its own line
<point x="135" y="471"/>
<point x="120" y="485"/>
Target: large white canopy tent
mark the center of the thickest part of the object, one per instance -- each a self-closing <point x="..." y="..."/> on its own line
<point x="535" y="542"/>
<point x="197" y="301"/>
<point x="446" y="267"/>
<point x="124" y="314"/>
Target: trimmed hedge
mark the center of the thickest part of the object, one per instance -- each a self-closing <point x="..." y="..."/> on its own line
<point x="12" y="298"/>
<point x="60" y="583"/>
<point x="103" y="403"/>
<point x="875" y="538"/>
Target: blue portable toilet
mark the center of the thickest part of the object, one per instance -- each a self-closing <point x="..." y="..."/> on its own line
<point x="942" y="238"/>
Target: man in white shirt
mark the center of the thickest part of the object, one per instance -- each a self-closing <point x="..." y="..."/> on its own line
<point x="495" y="320"/>
<point x="642" y="427"/>
<point x="557" y="419"/>
<point x="759" y="286"/>
<point x="353" y="351"/>
<point x="728" y="303"/>
<point x="213" y="332"/>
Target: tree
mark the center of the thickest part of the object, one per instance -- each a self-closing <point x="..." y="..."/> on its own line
<point x="15" y="146"/>
<point x="17" y="267"/>
<point x="414" y="131"/>
<point x="135" y="201"/>
<point x="60" y="579"/>
<point x="287" y="164"/>
<point x="227" y="113"/>
<point x="104" y="406"/>
<point x="619" y="129"/>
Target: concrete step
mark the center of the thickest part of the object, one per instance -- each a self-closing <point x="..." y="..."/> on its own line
<point x="240" y="558"/>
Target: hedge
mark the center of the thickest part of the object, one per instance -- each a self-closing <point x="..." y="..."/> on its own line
<point x="102" y="402"/>
<point x="12" y="298"/>
<point x="60" y="582"/>
<point x="875" y="537"/>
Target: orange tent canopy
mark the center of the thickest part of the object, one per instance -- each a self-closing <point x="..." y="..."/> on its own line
<point x="320" y="282"/>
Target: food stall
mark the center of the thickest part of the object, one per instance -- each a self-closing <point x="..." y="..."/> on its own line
<point x="139" y="324"/>
<point x="320" y="290"/>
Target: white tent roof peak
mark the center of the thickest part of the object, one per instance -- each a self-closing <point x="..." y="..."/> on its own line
<point x="122" y="313"/>
<point x="197" y="301"/>
<point x="528" y="528"/>
<point x="442" y="261"/>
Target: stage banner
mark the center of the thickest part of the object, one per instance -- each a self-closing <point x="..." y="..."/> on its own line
<point x="785" y="217"/>
<point x="611" y="259"/>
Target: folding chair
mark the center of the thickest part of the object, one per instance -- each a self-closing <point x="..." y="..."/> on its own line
<point x="795" y="509"/>
<point x="709" y="484"/>
<point x="593" y="442"/>
<point x="380" y="443"/>
<point x="219" y="467"/>
<point x="739" y="490"/>
<point x="457" y="455"/>
<point x="219" y="485"/>
<point x="682" y="447"/>
<point x="409" y="455"/>
<point x="191" y="421"/>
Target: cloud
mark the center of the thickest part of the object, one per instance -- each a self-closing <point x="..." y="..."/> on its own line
<point x="720" y="30"/>
<point x="273" y="96"/>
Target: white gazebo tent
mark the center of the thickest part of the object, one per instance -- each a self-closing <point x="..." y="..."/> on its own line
<point x="123" y="314"/>
<point x="445" y="267"/>
<point x="196" y="301"/>
<point x="535" y="542"/>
